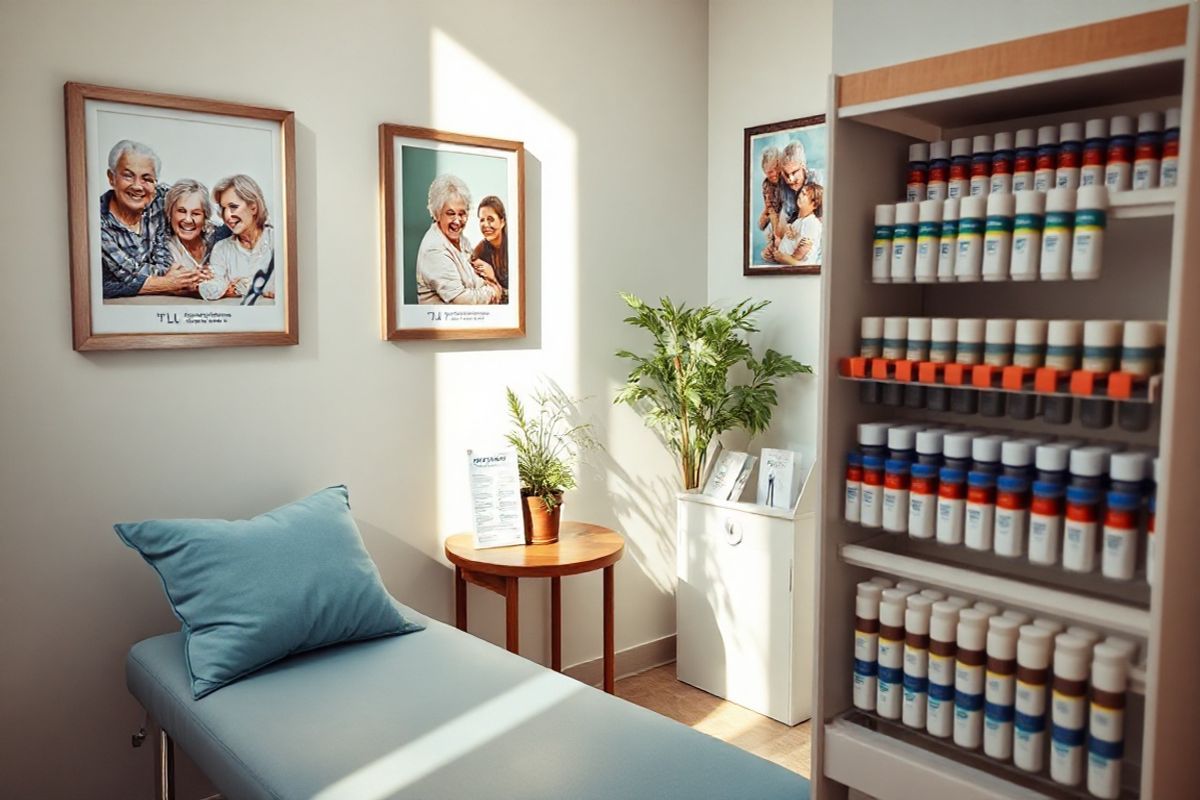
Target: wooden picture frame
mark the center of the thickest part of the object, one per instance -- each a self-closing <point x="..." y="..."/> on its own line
<point x="786" y="247"/>
<point x="434" y="286"/>
<point x="140" y="280"/>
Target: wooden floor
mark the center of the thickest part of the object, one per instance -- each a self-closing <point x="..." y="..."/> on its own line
<point x="658" y="690"/>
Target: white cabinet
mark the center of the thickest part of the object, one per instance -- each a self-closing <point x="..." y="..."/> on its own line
<point x="743" y="633"/>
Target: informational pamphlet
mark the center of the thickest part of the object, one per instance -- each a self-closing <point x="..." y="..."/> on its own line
<point x="725" y="474"/>
<point x="740" y="483"/>
<point x="776" y="482"/>
<point x="496" y="498"/>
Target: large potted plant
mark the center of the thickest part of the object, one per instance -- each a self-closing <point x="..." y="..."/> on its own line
<point x="548" y="444"/>
<point x="685" y="387"/>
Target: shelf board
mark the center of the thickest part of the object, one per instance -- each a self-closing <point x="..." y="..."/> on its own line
<point x="892" y="762"/>
<point x="1142" y="76"/>
<point x="1152" y="395"/>
<point x="1142" y="203"/>
<point x="880" y="554"/>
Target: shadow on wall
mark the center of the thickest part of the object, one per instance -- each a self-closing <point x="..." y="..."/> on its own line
<point x="411" y="576"/>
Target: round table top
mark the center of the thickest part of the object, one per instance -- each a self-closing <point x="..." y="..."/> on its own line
<point x="581" y="547"/>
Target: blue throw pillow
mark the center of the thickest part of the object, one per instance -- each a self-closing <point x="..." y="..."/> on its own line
<point x="251" y="592"/>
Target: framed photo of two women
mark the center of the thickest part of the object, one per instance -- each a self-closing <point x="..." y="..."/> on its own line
<point x="182" y="221"/>
<point x="453" y="235"/>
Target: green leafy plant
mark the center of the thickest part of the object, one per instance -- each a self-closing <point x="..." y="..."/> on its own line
<point x="683" y="387"/>
<point x="548" y="443"/>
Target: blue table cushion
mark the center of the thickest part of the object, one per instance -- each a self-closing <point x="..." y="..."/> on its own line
<point x="440" y="715"/>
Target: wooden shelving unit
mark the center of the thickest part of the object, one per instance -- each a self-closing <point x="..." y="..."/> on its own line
<point x="1139" y="63"/>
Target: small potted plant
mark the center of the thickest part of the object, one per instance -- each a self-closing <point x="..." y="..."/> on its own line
<point x="548" y="443"/>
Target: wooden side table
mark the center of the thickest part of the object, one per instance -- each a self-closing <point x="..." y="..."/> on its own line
<point x="581" y="547"/>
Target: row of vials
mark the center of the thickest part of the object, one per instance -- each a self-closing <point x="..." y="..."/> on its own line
<point x="1102" y="152"/>
<point x="1034" y="235"/>
<point x="1028" y="691"/>
<point x="1082" y="506"/>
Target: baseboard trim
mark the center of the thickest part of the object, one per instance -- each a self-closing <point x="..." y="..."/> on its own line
<point x="630" y="661"/>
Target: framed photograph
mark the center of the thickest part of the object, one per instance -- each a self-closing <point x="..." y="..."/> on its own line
<point x="785" y="166"/>
<point x="182" y="221"/>
<point x="453" y="235"/>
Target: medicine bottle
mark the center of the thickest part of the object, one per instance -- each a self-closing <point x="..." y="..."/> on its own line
<point x="1029" y="351"/>
<point x="1057" y="235"/>
<point x="956" y="450"/>
<point x="929" y="237"/>
<point x="968" y="350"/>
<point x="895" y="494"/>
<point x="1095" y="151"/>
<point x="1106" y="720"/>
<point x="929" y="447"/>
<point x="881" y="247"/>
<point x="872" y="438"/>
<point x="1012" y="516"/>
<point x="1047" y="158"/>
<point x="889" y="696"/>
<point x="1070" y="156"/>
<point x="951" y="507"/>
<point x="908" y="587"/>
<point x="943" y="340"/>
<point x="985" y="453"/>
<point x="969" y="677"/>
<point x="917" y="345"/>
<point x="922" y="501"/>
<point x="1064" y="341"/>
<point x="1017" y="459"/>
<point x="1169" y="171"/>
<point x="1034" y="646"/>
<point x="1051" y="460"/>
<point x="1147" y="152"/>
<point x="1118" y="167"/>
<point x="939" y="171"/>
<point x="1151" y="528"/>
<point x="1024" y="160"/>
<point x="882" y="582"/>
<point x="904" y="242"/>
<point x="948" y="243"/>
<point x="997" y="352"/>
<point x="1000" y="693"/>
<point x="1030" y="210"/>
<point x="895" y="337"/>
<point x="1054" y="626"/>
<point x="871" y="495"/>
<point x="1086" y="634"/>
<point x="1089" y="467"/>
<point x="1091" y="218"/>
<point x="870" y="343"/>
<point x="853" y="486"/>
<point x="1068" y="714"/>
<point x="980" y="520"/>
<point x="1101" y="345"/>
<point x="916" y="660"/>
<point x="1079" y="529"/>
<point x="918" y="171"/>
<point x="960" y="168"/>
<point x="1002" y="164"/>
<point x="968" y="261"/>
<point x="998" y="237"/>
<point x="1142" y="347"/>
<point x="1118" y="558"/>
<point x="1128" y="472"/>
<point x="943" y="625"/>
<point x="1020" y="616"/>
<point x="1045" y="522"/>
<point x="981" y="164"/>
<point x="866" y="644"/>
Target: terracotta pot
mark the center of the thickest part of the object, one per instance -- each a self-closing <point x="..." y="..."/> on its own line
<point x="541" y="526"/>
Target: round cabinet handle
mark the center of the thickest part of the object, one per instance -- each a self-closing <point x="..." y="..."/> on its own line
<point x="733" y="536"/>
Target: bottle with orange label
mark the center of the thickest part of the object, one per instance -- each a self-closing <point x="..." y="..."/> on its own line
<point x="922" y="501"/>
<point x="1045" y="522"/>
<point x="1118" y="558"/>
<point x="1012" y="516"/>
<point x="980" y="518"/>
<point x="853" y="486"/>
<point x="1095" y="149"/>
<point x="1024" y="160"/>
<point x="1118" y="164"/>
<point x="960" y="168"/>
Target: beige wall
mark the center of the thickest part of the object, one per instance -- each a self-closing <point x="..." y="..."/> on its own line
<point x="751" y="83"/>
<point x="610" y="101"/>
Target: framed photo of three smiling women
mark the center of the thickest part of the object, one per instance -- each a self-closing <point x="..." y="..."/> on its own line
<point x="453" y="235"/>
<point x="182" y="221"/>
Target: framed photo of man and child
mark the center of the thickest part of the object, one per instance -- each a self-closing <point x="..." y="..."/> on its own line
<point x="785" y="165"/>
<point x="182" y="221"/>
<point x="453" y="235"/>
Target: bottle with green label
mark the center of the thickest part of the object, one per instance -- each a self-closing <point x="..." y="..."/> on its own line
<point x="1091" y="215"/>
<point x="1057" y="235"/>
